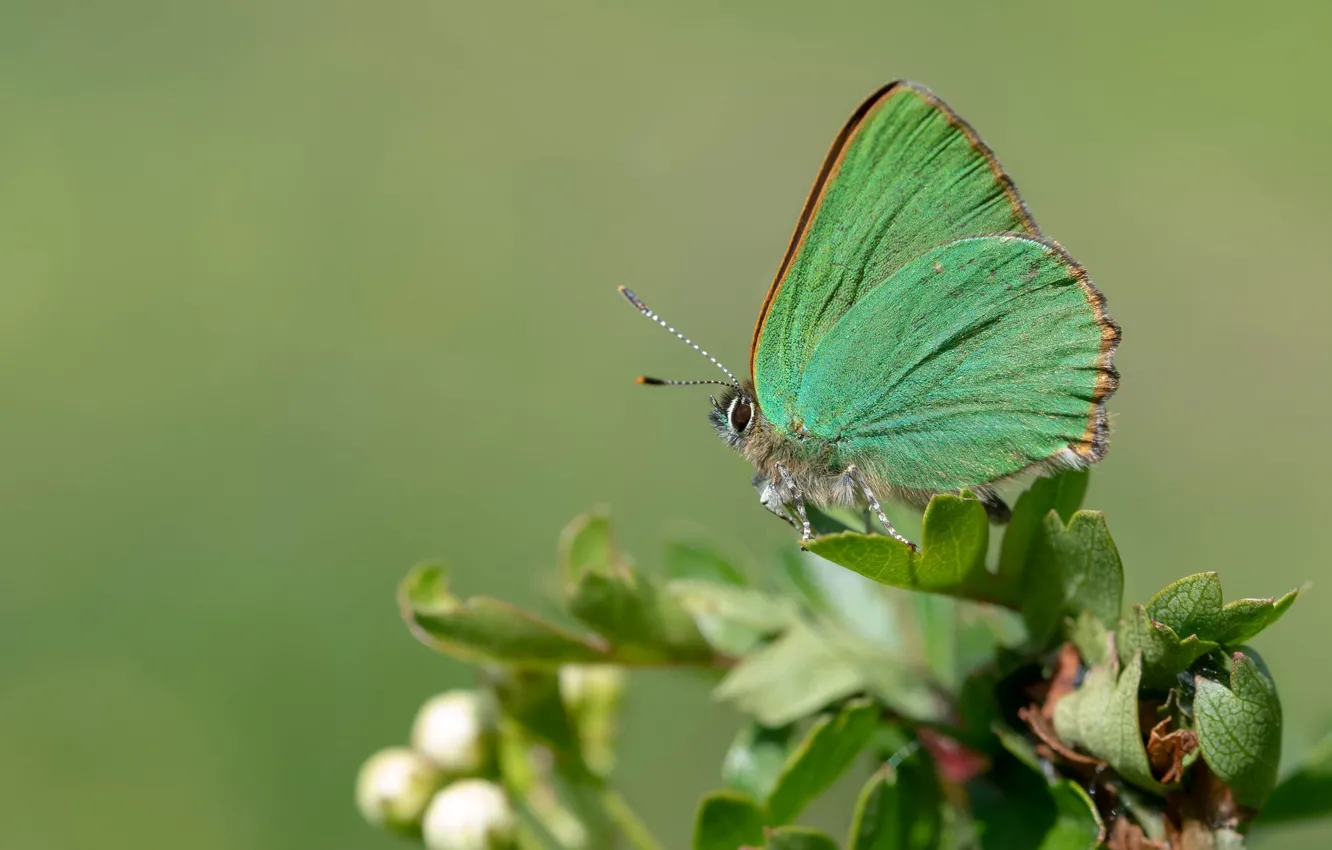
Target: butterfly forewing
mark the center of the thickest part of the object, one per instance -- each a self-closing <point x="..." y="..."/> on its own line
<point x="905" y="175"/>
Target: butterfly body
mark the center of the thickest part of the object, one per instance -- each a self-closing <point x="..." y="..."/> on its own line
<point x="921" y="335"/>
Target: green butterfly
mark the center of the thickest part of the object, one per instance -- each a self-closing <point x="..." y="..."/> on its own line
<point x="921" y="335"/>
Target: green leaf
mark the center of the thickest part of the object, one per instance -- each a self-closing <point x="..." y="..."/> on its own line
<point x="1101" y="718"/>
<point x="483" y="629"/>
<point x="1242" y="619"/>
<point x="761" y="612"/>
<point x="1192" y="605"/>
<point x="954" y="540"/>
<point x="799" y="581"/>
<point x="1072" y="569"/>
<point x="1091" y="638"/>
<point x="586" y="544"/>
<point x="1077" y="824"/>
<point x="1061" y="493"/>
<point x="833" y="742"/>
<point x="796" y="674"/>
<point x="756" y="758"/>
<point x="1306" y="793"/>
<point x="646" y="624"/>
<point x="1239" y="729"/>
<point x="726" y="821"/>
<point x="697" y="560"/>
<point x="1164" y="655"/>
<point x="897" y="810"/>
<point x="798" y="838"/>
<point x="813" y="664"/>
<point x="1189" y="605"/>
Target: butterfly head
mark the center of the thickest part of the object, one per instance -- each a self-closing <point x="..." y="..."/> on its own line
<point x="735" y="414"/>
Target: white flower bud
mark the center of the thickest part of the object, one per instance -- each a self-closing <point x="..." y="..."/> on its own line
<point x="455" y="730"/>
<point x="470" y="814"/>
<point x="395" y="786"/>
<point x="581" y="684"/>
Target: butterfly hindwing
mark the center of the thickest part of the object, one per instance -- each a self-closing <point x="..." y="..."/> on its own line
<point x="971" y="362"/>
<point x="906" y="174"/>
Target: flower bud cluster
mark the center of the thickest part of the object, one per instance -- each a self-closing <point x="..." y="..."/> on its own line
<point x="440" y="788"/>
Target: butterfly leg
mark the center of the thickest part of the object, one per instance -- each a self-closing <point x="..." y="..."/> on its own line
<point x="791" y="490"/>
<point x="769" y="498"/>
<point x="854" y="475"/>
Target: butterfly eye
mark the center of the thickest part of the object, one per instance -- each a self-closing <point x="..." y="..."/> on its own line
<point x="741" y="414"/>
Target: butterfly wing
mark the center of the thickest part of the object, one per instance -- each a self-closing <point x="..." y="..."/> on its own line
<point x="971" y="362"/>
<point x="905" y="174"/>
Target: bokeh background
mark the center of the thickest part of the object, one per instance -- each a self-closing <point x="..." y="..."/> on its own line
<point x="295" y="294"/>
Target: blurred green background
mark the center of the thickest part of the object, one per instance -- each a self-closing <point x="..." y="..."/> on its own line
<point x="295" y="294"/>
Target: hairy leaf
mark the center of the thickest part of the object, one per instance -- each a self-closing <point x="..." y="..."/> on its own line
<point x="1239" y="729"/>
<point x="727" y="820"/>
<point x="828" y="749"/>
<point x="485" y="629"/>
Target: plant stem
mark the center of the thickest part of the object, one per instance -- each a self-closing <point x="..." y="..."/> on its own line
<point x="628" y="822"/>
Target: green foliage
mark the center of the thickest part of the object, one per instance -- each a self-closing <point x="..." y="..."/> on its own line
<point x="1305" y="793"/>
<point x="1101" y="717"/>
<point x="1192" y="606"/>
<point x="1239" y="730"/>
<point x="981" y="701"/>
<point x="898" y="809"/>
<point x="829" y="748"/>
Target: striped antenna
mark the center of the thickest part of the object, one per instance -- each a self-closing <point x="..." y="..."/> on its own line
<point x="651" y="314"/>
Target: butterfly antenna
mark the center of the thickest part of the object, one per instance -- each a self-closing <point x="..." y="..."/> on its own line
<point x="651" y="314"/>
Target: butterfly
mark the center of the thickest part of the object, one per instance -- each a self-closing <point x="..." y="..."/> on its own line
<point x="921" y="335"/>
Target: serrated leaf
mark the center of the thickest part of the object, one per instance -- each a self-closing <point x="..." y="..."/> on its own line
<point x="1101" y="718"/>
<point x="756" y="758"/>
<point x="1192" y="605"/>
<point x="1242" y="619"/>
<point x="1073" y="568"/>
<point x="954" y="540"/>
<point x="897" y="810"/>
<point x="796" y="674"/>
<point x="829" y="748"/>
<point x="1061" y="493"/>
<point x="1239" y="729"/>
<point x="1164" y="655"/>
<point x="798" y="838"/>
<point x="727" y="820"/>
<point x="694" y="560"/>
<point x="1306" y="793"/>
<point x="485" y="629"/>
